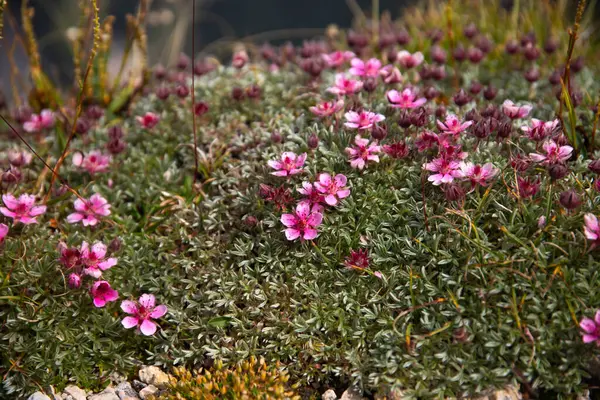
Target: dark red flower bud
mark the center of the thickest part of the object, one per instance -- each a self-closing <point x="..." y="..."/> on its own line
<point x="276" y="137"/>
<point x="402" y="37"/>
<point x="22" y="114"/>
<point x="532" y="74"/>
<point x="461" y="98"/>
<point x="454" y="192"/>
<point x="595" y="166"/>
<point x="357" y="40"/>
<point x="504" y="130"/>
<point x="250" y="221"/>
<point x="182" y="91"/>
<point x="436" y="35"/>
<point x="183" y="62"/>
<point x="484" y="44"/>
<point x="475" y="88"/>
<point x="160" y="72"/>
<point x="82" y="126"/>
<point x="404" y="121"/>
<point x="430" y="93"/>
<point x="531" y="53"/>
<point x="570" y="200"/>
<point x="438" y="73"/>
<point x="163" y="92"/>
<point x="116" y="146"/>
<point x="528" y="39"/>
<point x="472" y="115"/>
<point x="551" y="45"/>
<point x="554" y="78"/>
<point x="577" y="64"/>
<point x="459" y="53"/>
<point x="386" y="40"/>
<point x="418" y="117"/>
<point x="440" y="112"/>
<point x="313" y="141"/>
<point x="237" y="93"/>
<point x="490" y="92"/>
<point x="511" y="47"/>
<point x="253" y="92"/>
<point x="379" y="131"/>
<point x="470" y="30"/>
<point x="557" y="171"/>
<point x="438" y="55"/>
<point x="94" y="112"/>
<point x="201" y="108"/>
<point x="475" y="55"/>
<point x="115" y="132"/>
<point x="115" y="245"/>
<point x="370" y="84"/>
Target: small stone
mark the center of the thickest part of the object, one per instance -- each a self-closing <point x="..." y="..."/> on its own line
<point x="126" y="392"/>
<point x="352" y="393"/>
<point x="397" y="394"/>
<point x="107" y="394"/>
<point x="329" y="395"/>
<point x="74" y="393"/>
<point x="147" y="391"/>
<point x="137" y="385"/>
<point x="584" y="396"/>
<point x="508" y="393"/>
<point x="114" y="377"/>
<point x="38" y="396"/>
<point x="153" y="376"/>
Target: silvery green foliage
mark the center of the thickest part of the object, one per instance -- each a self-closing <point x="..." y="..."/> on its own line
<point x="235" y="289"/>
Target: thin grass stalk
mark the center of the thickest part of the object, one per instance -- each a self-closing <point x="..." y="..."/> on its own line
<point x="80" y="98"/>
<point x="193" y="90"/>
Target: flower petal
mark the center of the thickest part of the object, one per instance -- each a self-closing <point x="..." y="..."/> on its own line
<point x="129" y="322"/>
<point x="148" y="327"/>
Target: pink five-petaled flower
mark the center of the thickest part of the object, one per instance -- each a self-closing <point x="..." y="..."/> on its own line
<point x="591" y="329"/>
<point x="102" y="293"/>
<point x="592" y="229"/>
<point x="290" y="164"/>
<point x="337" y="58"/>
<point x="142" y="313"/>
<point x="94" y="261"/>
<point x="408" y="60"/>
<point x="446" y="170"/>
<point x="345" y="86"/>
<point x="539" y="130"/>
<point x="21" y="209"/>
<point x="333" y="189"/>
<point x="327" y="108"/>
<point x="3" y="232"/>
<point x="406" y="99"/>
<point x="452" y="125"/>
<point x="88" y="212"/>
<point x="303" y="223"/>
<point x="311" y="194"/>
<point x="513" y="111"/>
<point x="478" y="174"/>
<point x="362" y="120"/>
<point x="93" y="162"/>
<point x="365" y="69"/>
<point x="38" y="122"/>
<point x="362" y="152"/>
<point x="148" y="120"/>
<point x="555" y="154"/>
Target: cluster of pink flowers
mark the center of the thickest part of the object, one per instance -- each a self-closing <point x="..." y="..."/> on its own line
<point x="555" y="154"/>
<point x="93" y="162"/>
<point x="21" y="209"/>
<point x="39" y="122"/>
<point x="540" y="130"/>
<point x="89" y="211"/>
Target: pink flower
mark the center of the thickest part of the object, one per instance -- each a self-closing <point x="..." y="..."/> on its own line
<point x="369" y="68"/>
<point x="327" y="108"/>
<point x="94" y="259"/>
<point x="142" y="313"/>
<point x="103" y="293"/>
<point x="311" y="194"/>
<point x="406" y="99"/>
<point x="337" y="58"/>
<point x="591" y="329"/>
<point x="303" y="223"/>
<point x="290" y="164"/>
<point x="554" y="153"/>
<point x="89" y="211"/>
<point x="514" y="111"/>
<point x="362" y="120"/>
<point x="21" y="209"/>
<point x="345" y="86"/>
<point x="148" y="120"/>
<point x="426" y="141"/>
<point x="390" y="74"/>
<point x="3" y="232"/>
<point x="452" y="125"/>
<point x="239" y="59"/>
<point x="592" y="229"/>
<point x="333" y="189"/>
<point x="408" y="60"/>
<point x="446" y="170"/>
<point x="93" y="162"/>
<point x="478" y="174"/>
<point x="362" y="153"/>
<point x="539" y="130"/>
<point x="38" y="122"/>
<point x="358" y="259"/>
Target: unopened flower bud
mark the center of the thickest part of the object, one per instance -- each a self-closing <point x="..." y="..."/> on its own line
<point x="74" y="281"/>
<point x="276" y="137"/>
<point x="557" y="171"/>
<point x="313" y="141"/>
<point x="570" y="200"/>
<point x="379" y="131"/>
<point x="454" y="192"/>
<point x="595" y="166"/>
